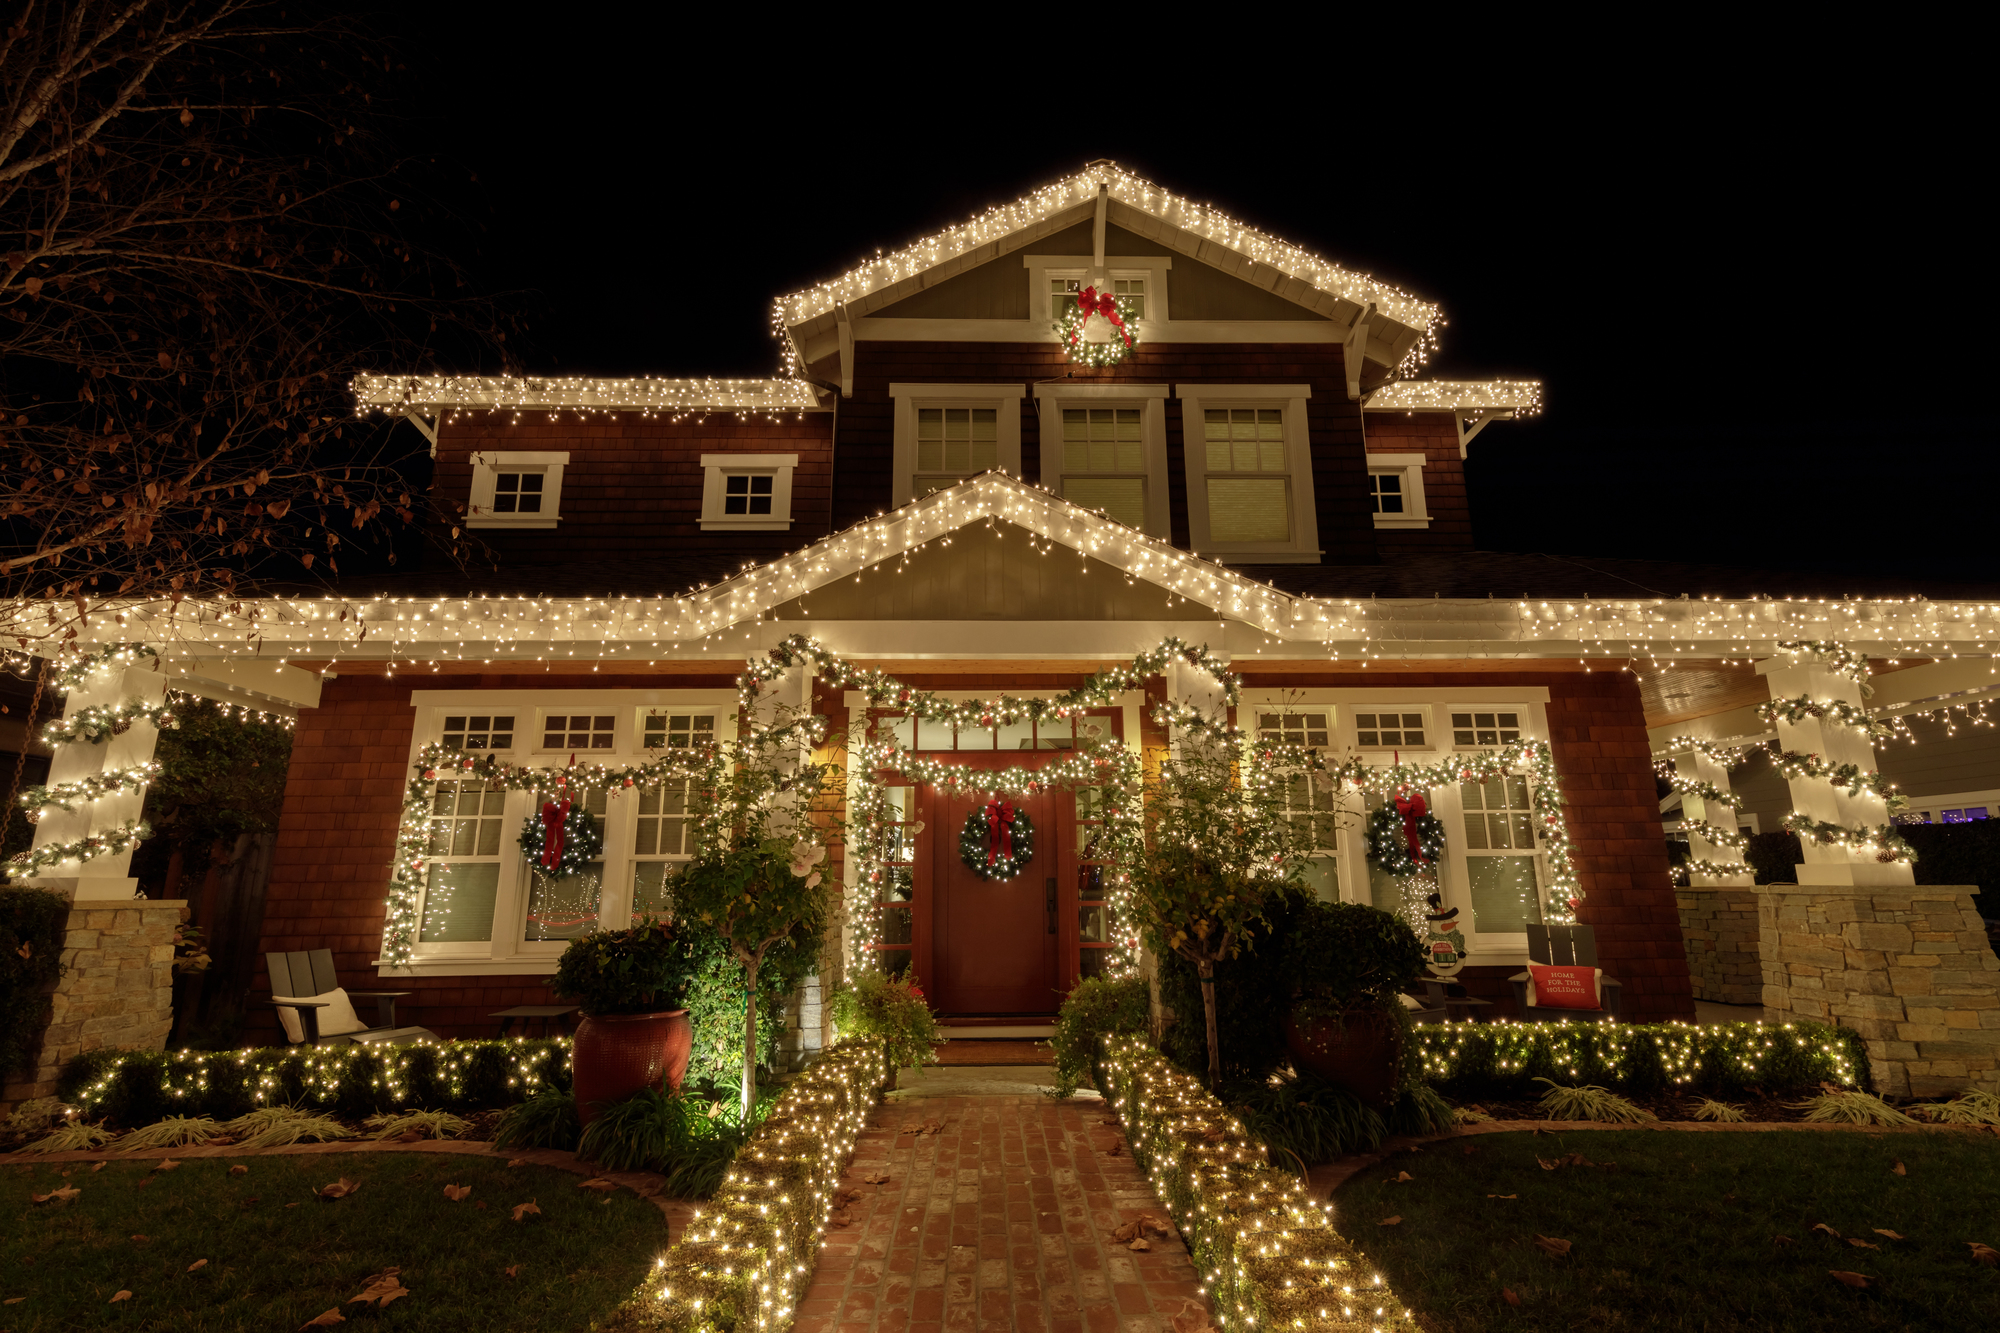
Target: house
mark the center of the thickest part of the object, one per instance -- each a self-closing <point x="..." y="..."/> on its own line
<point x="942" y="487"/>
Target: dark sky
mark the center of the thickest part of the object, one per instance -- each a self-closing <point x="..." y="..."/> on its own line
<point x="1752" y="271"/>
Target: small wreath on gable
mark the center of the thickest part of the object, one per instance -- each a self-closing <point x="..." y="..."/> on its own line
<point x="997" y="841"/>
<point x="561" y="838"/>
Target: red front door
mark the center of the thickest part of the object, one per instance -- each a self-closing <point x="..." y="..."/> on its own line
<point x="995" y="943"/>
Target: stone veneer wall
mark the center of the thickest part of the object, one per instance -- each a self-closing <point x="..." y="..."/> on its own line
<point x="803" y="1036"/>
<point x="117" y="988"/>
<point x="1910" y="969"/>
<point x="1720" y="928"/>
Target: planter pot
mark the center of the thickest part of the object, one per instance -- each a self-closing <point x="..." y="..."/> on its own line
<point x="1358" y="1051"/>
<point x="617" y="1055"/>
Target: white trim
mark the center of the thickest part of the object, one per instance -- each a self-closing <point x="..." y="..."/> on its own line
<point x="1153" y="268"/>
<point x="1303" y="548"/>
<point x="908" y="397"/>
<point x="716" y="468"/>
<point x="884" y="329"/>
<point x="1151" y="398"/>
<point x="1410" y="467"/>
<point x="488" y="464"/>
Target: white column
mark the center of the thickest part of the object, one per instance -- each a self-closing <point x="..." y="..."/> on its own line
<point x="103" y="877"/>
<point x="1699" y="766"/>
<point x="1837" y="744"/>
<point x="1194" y="687"/>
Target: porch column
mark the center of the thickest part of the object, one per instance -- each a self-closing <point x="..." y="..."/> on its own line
<point x="109" y="876"/>
<point x="1820" y="799"/>
<point x="1699" y="766"/>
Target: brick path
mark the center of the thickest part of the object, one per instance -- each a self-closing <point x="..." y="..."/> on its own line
<point x="999" y="1223"/>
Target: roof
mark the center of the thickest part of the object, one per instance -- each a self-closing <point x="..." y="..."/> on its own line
<point x="1523" y="398"/>
<point x="426" y="395"/>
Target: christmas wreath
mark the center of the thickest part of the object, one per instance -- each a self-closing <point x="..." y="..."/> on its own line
<point x="1112" y="312"/>
<point x="1404" y="837"/>
<point x="997" y="842"/>
<point x="561" y="838"/>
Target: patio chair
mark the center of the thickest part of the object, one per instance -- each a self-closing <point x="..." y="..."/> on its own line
<point x="1564" y="946"/>
<point x="303" y="984"/>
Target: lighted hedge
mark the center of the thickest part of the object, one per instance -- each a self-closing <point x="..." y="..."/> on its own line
<point x="135" y="1088"/>
<point x="746" y="1259"/>
<point x="1473" y="1060"/>
<point x="1268" y="1254"/>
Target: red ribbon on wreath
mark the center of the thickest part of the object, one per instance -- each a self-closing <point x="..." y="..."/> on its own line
<point x="1090" y="302"/>
<point x="555" y="821"/>
<point x="999" y="832"/>
<point x="1412" y="807"/>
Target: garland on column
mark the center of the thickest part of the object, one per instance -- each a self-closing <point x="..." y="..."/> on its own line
<point x="100" y="722"/>
<point x="67" y="796"/>
<point x="49" y="855"/>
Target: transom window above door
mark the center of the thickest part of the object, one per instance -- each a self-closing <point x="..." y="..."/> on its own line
<point x="954" y="443"/>
<point x="579" y="731"/>
<point x="676" y="731"/>
<point x="1306" y="730"/>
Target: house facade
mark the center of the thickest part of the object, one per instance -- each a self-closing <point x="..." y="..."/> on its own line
<point x="944" y="487"/>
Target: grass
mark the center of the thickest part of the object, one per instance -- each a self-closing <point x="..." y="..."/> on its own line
<point x="1971" y="1108"/>
<point x="274" y="1267"/>
<point x="1848" y="1107"/>
<point x="1591" y="1103"/>
<point x="176" y="1131"/>
<point x="1675" y="1232"/>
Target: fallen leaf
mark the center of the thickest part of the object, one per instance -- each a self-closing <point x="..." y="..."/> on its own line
<point x="1899" y="1169"/>
<point x="1503" y="1196"/>
<point x="254" y="1199"/>
<point x="411" y="1136"/>
<point x="1553" y="1246"/>
<point x="1860" y="1244"/>
<point x="147" y="1181"/>
<point x="1821" y="1226"/>
<point x="1880" y="1231"/>
<point x="456" y="1192"/>
<point x="1401" y="1176"/>
<point x="61" y="1195"/>
<point x="121" y="1296"/>
<point x="1985" y="1254"/>
<point x="239" y="1170"/>
<point x="1469" y="1150"/>
<point x="197" y="1265"/>
<point x="1548" y="1166"/>
<point x="1859" y="1281"/>
<point x="1783" y="1240"/>
<point x="1390" y="1221"/>
<point x="167" y="1164"/>
<point x="139" y="1238"/>
<point x="842" y="1198"/>
<point x="1509" y="1297"/>
<point x="875" y="1178"/>
<point x="1141" y="1244"/>
<point x="932" y="1127"/>
<point x="481" y="1205"/>
<point x="841" y="1217"/>
<point x="327" y="1320"/>
<point x="598" y="1183"/>
<point x="93" y="1170"/>
<point x="518" y="1161"/>
<point x="291" y="1205"/>
<point x="1114" y="1150"/>
<point x="521" y="1210"/>
<point x="13" y="1300"/>
<point x="1109" y="1120"/>
<point x="512" y="1270"/>
<point x="339" y="1189"/>
<point x="382" y="1288"/>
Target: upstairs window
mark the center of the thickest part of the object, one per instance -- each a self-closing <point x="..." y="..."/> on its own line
<point x="1104" y="461"/>
<point x="579" y="731"/>
<point x="948" y="433"/>
<point x="1396" y="487"/>
<point x="1387" y="490"/>
<point x="1062" y="295"/>
<point x="747" y="492"/>
<point x="516" y="490"/>
<point x="954" y="443"/>
<point x="1249" y="486"/>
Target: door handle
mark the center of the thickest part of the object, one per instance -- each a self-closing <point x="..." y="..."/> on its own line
<point x="1052" y="904"/>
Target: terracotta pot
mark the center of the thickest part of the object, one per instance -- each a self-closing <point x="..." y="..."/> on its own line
<point x="617" y="1055"/>
<point x="1358" y="1051"/>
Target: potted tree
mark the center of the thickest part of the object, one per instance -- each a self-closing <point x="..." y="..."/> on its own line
<point x="634" y="1032"/>
<point x="1344" y="965"/>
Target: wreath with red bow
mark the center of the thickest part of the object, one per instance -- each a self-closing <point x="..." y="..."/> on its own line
<point x="1115" y="310"/>
<point x="561" y="838"/>
<point x="1404" y="837"/>
<point x="997" y="841"/>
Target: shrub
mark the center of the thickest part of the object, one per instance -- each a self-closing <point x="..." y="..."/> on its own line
<point x="1250" y="1004"/>
<point x="1958" y="854"/>
<point x="1335" y="955"/>
<point x="1590" y="1102"/>
<point x="1095" y="1007"/>
<point x="690" y="1143"/>
<point x="639" y="970"/>
<point x="1772" y="856"/>
<point x="33" y="925"/>
<point x="1471" y="1061"/>
<point x="546" y="1120"/>
<point x="714" y="1001"/>
<point x="893" y="1011"/>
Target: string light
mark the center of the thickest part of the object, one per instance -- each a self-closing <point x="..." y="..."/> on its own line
<point x="394" y="395"/>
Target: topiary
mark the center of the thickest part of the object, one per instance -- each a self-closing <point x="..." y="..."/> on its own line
<point x="641" y="969"/>
<point x="1097" y="1006"/>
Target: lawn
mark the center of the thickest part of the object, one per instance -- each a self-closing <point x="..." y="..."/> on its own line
<point x="1679" y="1231"/>
<point x="278" y="1256"/>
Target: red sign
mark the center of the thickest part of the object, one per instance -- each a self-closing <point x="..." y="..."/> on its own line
<point x="1562" y="987"/>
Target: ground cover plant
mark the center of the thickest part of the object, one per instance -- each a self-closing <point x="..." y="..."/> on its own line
<point x="277" y="1253"/>
<point x="1652" y="1230"/>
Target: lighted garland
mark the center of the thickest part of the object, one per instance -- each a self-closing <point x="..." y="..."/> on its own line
<point x="1838" y="711"/>
<point x="49" y="855"/>
<point x="1715" y="833"/>
<point x="100" y="722"/>
<point x="1719" y="869"/>
<point x="1852" y="777"/>
<point x="1699" y="788"/>
<point x="1727" y="756"/>
<point x="582" y="842"/>
<point x="982" y="858"/>
<point x="112" y="657"/>
<point x="1881" y="842"/>
<point x="1116" y="310"/>
<point x="1487" y="1059"/>
<point x="1389" y="845"/>
<point x="68" y="796"/>
<point x="1836" y="657"/>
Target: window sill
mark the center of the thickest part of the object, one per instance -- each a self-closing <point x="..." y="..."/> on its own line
<point x="491" y="522"/>
<point x="1400" y="521"/>
<point x="746" y="524"/>
<point x="1241" y="557"/>
<point x="521" y="965"/>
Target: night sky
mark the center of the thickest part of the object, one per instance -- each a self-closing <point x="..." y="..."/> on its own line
<point x="1753" y="290"/>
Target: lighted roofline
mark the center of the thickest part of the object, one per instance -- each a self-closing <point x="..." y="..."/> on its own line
<point x="429" y="394"/>
<point x="1522" y="397"/>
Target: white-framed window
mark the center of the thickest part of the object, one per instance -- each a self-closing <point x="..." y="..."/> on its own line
<point x="1396" y="490"/>
<point x="1392" y="727"/>
<point x="559" y="910"/>
<point x="1474" y="728"/>
<point x="1502" y="854"/>
<point x="1248" y="457"/>
<point x="1105" y="447"/>
<point x="747" y="492"/>
<point x="516" y="490"/>
<point x="670" y="729"/>
<point x="947" y="433"/>
<point x="466" y="854"/>
<point x="478" y="731"/>
<point x="1312" y="810"/>
<point x="1054" y="281"/>
<point x="577" y="729"/>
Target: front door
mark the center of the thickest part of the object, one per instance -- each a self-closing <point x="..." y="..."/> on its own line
<point x="995" y="943"/>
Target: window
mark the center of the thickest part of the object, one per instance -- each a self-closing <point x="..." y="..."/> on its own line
<point x="1500" y="854"/>
<point x="516" y="490"/>
<point x="1249" y="471"/>
<point x="1062" y="295"/>
<point x="1966" y="816"/>
<point x="898" y="891"/>
<point x="676" y="731"/>
<point x="562" y="909"/>
<point x="1390" y="731"/>
<point x="747" y="492"/>
<point x="1104" y="462"/>
<point x="1485" y="728"/>
<point x="462" y="880"/>
<point x="1093" y="911"/>
<point x="662" y="838"/>
<point x="579" y="731"/>
<point x="478" y="732"/>
<point x="1311" y="814"/>
<point x="947" y="433"/>
<point x="1396" y="483"/>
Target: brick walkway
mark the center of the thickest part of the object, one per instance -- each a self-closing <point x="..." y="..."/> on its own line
<point x="998" y="1223"/>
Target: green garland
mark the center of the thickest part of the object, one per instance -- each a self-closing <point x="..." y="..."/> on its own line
<point x="1837" y="711"/>
<point x="113" y="656"/>
<point x="1389" y="847"/>
<point x="1882" y="842"/>
<point x="107" y="842"/>
<point x="972" y="840"/>
<point x="583" y="842"/>
<point x="99" y="723"/>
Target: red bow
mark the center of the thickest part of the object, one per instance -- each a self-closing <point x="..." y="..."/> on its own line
<point x="1410" y="805"/>
<point x="555" y="820"/>
<point x="999" y="831"/>
<point x="1090" y="302"/>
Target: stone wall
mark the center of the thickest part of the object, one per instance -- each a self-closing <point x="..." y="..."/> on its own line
<point x="803" y="1036"/>
<point x="117" y="988"/>
<point x="1720" y="928"/>
<point x="1910" y="969"/>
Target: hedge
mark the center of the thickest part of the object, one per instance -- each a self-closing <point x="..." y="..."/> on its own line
<point x="1267" y="1252"/>
<point x="1502" y="1059"/>
<point x="135" y="1088"/>
<point x="34" y="924"/>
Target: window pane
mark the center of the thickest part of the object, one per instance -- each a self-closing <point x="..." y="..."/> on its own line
<point x="1384" y="890"/>
<point x="1497" y="831"/>
<point x="1248" y="511"/>
<point x="1053" y="734"/>
<point x="1503" y="893"/>
<point x="649" y="891"/>
<point x="976" y="738"/>
<point x="1091" y="923"/>
<point x="458" y="903"/>
<point x="1093" y="962"/>
<point x="895" y="925"/>
<point x="1123" y="498"/>
<point x="562" y="909"/>
<point x="1019" y="736"/>
<point x="1323" y="878"/>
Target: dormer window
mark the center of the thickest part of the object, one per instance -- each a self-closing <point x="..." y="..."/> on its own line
<point x="516" y="490"/>
<point x="748" y="492"/>
<point x="1396" y="490"/>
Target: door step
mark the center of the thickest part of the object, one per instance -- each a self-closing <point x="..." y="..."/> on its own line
<point x="1000" y="1032"/>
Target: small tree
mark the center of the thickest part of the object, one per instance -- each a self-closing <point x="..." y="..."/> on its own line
<point x="755" y="879"/>
<point x="1217" y="853"/>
